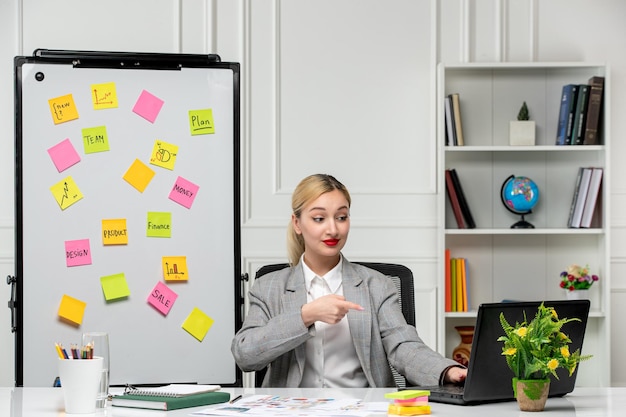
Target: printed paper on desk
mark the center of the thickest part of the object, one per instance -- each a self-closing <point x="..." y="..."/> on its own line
<point x="184" y="192"/>
<point x="114" y="286"/>
<point x="148" y="106"/>
<point x="77" y="252"/>
<point x="139" y="175"/>
<point x="63" y="155"/>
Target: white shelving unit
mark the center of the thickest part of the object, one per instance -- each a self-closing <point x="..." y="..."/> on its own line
<point x="522" y="264"/>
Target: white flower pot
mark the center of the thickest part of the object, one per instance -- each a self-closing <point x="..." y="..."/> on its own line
<point x="522" y="132"/>
<point x="577" y="294"/>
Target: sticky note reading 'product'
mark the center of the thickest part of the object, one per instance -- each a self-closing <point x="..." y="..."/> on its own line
<point x="114" y="286"/>
<point x="66" y="192"/>
<point x="114" y="232"/>
<point x="162" y="298"/>
<point x="139" y="175"/>
<point x="201" y="122"/>
<point x="197" y="324"/>
<point x="104" y="96"/>
<point x="72" y="309"/>
<point x="148" y="106"/>
<point x="184" y="192"/>
<point x="164" y="154"/>
<point x="159" y="224"/>
<point x="63" y="155"/>
<point x="95" y="139"/>
<point x="63" y="109"/>
<point x="77" y="252"/>
<point x="175" y="268"/>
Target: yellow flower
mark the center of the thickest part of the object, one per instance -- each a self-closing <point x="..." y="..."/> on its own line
<point x="565" y="351"/>
<point x="510" y="351"/>
<point x="556" y="316"/>
<point x="553" y="364"/>
<point x="521" y="332"/>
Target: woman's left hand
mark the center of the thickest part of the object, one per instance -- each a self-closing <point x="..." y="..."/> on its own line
<point x="455" y="375"/>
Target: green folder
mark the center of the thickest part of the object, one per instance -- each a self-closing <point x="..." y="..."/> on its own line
<point x="170" y="403"/>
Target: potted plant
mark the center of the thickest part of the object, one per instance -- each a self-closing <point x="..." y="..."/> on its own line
<point x="535" y="350"/>
<point x="576" y="280"/>
<point x="522" y="130"/>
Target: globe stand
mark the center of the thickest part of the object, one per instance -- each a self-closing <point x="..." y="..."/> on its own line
<point x="522" y="224"/>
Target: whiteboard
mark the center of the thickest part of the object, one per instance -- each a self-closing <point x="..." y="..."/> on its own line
<point x="150" y="342"/>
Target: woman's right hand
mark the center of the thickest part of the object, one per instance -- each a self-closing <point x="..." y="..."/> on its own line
<point x="329" y="309"/>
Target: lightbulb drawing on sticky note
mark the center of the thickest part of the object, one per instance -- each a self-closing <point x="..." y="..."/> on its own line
<point x="66" y="192"/>
<point x="72" y="309"/>
<point x="175" y="268"/>
<point x="162" y="298"/>
<point x="197" y="324"/>
<point x="139" y="175"/>
<point x="148" y="106"/>
<point x="63" y="155"/>
<point x="63" y="109"/>
<point x="114" y="287"/>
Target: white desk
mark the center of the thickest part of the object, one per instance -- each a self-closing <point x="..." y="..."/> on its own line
<point x="48" y="402"/>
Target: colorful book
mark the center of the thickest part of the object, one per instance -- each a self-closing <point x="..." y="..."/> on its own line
<point x="459" y="284"/>
<point x="464" y="283"/>
<point x="454" y="200"/>
<point x="448" y="300"/>
<point x="467" y="214"/>
<point x="578" y="131"/>
<point x="569" y="95"/>
<point x="594" y="111"/>
<point x="592" y="198"/>
<point x="453" y="285"/>
<point x="170" y="403"/>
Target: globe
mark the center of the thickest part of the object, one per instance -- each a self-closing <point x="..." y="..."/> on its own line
<point x="519" y="195"/>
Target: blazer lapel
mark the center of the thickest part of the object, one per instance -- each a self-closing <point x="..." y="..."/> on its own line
<point x="295" y="296"/>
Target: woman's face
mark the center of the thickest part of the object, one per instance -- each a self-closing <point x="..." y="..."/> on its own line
<point x="324" y="224"/>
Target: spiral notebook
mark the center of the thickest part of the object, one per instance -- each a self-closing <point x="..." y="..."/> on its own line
<point x="173" y="390"/>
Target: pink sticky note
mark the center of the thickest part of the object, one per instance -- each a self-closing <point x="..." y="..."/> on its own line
<point x="184" y="192"/>
<point x="63" y="155"/>
<point x="148" y="106"/>
<point x="77" y="252"/>
<point x="162" y="298"/>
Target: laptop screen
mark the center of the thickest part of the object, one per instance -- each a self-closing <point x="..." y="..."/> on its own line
<point x="489" y="377"/>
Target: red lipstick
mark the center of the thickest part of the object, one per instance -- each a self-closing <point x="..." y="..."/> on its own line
<point x="331" y="242"/>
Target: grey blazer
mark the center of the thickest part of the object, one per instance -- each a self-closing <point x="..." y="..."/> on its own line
<point x="273" y="332"/>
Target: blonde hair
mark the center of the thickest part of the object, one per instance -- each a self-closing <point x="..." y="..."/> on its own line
<point x="308" y="190"/>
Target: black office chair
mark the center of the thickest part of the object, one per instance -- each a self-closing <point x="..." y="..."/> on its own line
<point x="401" y="276"/>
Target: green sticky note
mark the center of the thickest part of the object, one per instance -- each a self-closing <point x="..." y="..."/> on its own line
<point x="95" y="139"/>
<point x="159" y="224"/>
<point x="114" y="286"/>
<point x="407" y="394"/>
<point x="201" y="122"/>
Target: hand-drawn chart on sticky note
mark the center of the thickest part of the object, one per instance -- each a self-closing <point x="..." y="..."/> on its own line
<point x="148" y="106"/>
<point x="114" y="232"/>
<point x="66" y="192"/>
<point x="63" y="155"/>
<point x="164" y="154"/>
<point x="95" y="139"/>
<point x="114" y="287"/>
<point x="201" y="122"/>
<point x="184" y="192"/>
<point x="162" y="298"/>
<point x="159" y="224"/>
<point x="63" y="109"/>
<point x="104" y="96"/>
<point x="197" y="324"/>
<point x="72" y="309"/>
<point x="77" y="252"/>
<point x="175" y="268"/>
<point x="139" y="175"/>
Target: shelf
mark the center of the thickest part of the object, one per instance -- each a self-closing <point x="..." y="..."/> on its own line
<point x="536" y="148"/>
<point x="555" y="231"/>
<point x="472" y="314"/>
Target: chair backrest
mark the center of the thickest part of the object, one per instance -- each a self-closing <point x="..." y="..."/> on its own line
<point x="402" y="278"/>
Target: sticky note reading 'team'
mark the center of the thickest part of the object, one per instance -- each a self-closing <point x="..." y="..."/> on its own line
<point x="63" y="109"/>
<point x="63" y="155"/>
<point x="164" y="154"/>
<point x="162" y="298"/>
<point x="148" y="106"/>
<point x="104" y="96"/>
<point x="197" y="324"/>
<point x="201" y="122"/>
<point x="184" y="192"/>
<point x="66" y="192"/>
<point x="139" y="175"/>
<point x="72" y="309"/>
<point x="77" y="252"/>
<point x="95" y="139"/>
<point x="175" y="268"/>
<point x="159" y="224"/>
<point x="114" y="286"/>
<point x="114" y="232"/>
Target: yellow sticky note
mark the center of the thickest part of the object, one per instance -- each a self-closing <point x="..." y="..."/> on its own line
<point x="66" y="192"/>
<point x="104" y="96"/>
<point x="114" y="232"/>
<point x="95" y="139"/>
<point x="114" y="286"/>
<point x="159" y="224"/>
<point x="407" y="393"/>
<point x="175" y="268"/>
<point x="63" y="109"/>
<point x="197" y="324"/>
<point x="139" y="175"/>
<point x="72" y="309"/>
<point x="164" y="154"/>
<point x="201" y="122"/>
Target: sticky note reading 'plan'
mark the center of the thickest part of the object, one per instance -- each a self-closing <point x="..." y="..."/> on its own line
<point x="63" y="109"/>
<point x="63" y="155"/>
<point x="162" y="298"/>
<point x="114" y="286"/>
<point x="201" y="122"/>
<point x="77" y="252"/>
<point x="175" y="268"/>
<point x="72" y="309"/>
<point x="66" y="192"/>
<point x="184" y="192"/>
<point x="148" y="106"/>
<point x="139" y="175"/>
<point x="197" y="324"/>
<point x="104" y="96"/>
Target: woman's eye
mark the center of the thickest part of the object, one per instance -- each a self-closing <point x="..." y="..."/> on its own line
<point x="342" y="218"/>
<point x="318" y="219"/>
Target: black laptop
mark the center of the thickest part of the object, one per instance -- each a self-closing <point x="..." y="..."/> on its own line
<point x="489" y="378"/>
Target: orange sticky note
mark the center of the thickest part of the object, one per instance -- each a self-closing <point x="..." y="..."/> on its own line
<point x="63" y="109"/>
<point x="175" y="268"/>
<point x="104" y="96"/>
<point x="72" y="309"/>
<point x="114" y="232"/>
<point x="139" y="175"/>
<point x="197" y="324"/>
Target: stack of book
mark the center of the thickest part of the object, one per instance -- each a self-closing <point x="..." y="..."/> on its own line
<point x="580" y="113"/>
<point x="456" y="196"/>
<point x="457" y="284"/>
<point x="454" y="127"/>
<point x="171" y="397"/>
<point x="586" y="207"/>
<point x="408" y="403"/>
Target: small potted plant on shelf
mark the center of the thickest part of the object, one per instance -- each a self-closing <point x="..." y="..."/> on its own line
<point x="576" y="280"/>
<point x="533" y="351"/>
<point x="522" y="130"/>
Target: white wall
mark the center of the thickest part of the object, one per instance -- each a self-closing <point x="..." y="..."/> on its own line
<point x="344" y="87"/>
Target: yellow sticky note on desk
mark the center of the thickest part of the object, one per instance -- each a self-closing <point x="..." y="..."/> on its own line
<point x="407" y="393"/>
<point x="399" y="410"/>
<point x="72" y="309"/>
<point x="197" y="324"/>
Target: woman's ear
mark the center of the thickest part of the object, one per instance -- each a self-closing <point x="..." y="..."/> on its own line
<point x="295" y="221"/>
